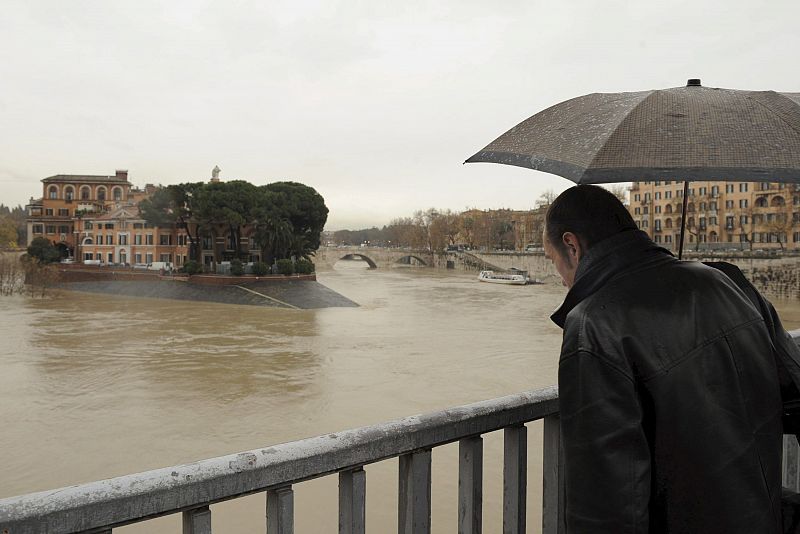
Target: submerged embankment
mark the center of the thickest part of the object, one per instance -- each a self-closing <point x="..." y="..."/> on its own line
<point x="300" y="292"/>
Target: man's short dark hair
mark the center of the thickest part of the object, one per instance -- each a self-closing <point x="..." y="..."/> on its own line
<point x="588" y="211"/>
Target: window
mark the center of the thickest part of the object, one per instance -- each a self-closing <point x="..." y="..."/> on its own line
<point x="51" y="228"/>
<point x="63" y="212"/>
<point x="729" y="188"/>
<point x="657" y="195"/>
<point x="138" y="258"/>
<point x="657" y="225"/>
<point x="667" y="239"/>
<point x="38" y="228"/>
<point x="743" y="202"/>
<point x="703" y="191"/>
<point x="647" y="197"/>
<point x="109" y="226"/>
<point x="702" y="222"/>
<point x="63" y="229"/>
<point x="85" y="192"/>
<point x="712" y="221"/>
<point x="148" y="239"/>
<point x="109" y="239"/>
<point x="117" y="192"/>
<point x="637" y="197"/>
<point x="743" y="219"/>
<point x="658" y="209"/>
<point x="101" y="193"/>
<point x="48" y="212"/>
<point x="137" y="240"/>
<point x="123" y="239"/>
<point x="679" y="193"/>
<point x="667" y="194"/>
<point x="729" y="204"/>
<point x="645" y="210"/>
<point x="712" y="205"/>
<point x="69" y="193"/>
<point x="164" y="240"/>
<point x="206" y="243"/>
<point x="148" y="257"/>
<point x="87" y="256"/>
<point x="165" y="258"/>
<point x="761" y="202"/>
<point x="637" y="211"/>
<point x="657" y="182"/>
<point x="743" y="187"/>
<point x="88" y="225"/>
<point x="702" y="206"/>
<point x="52" y="192"/>
<point x="137" y="226"/>
<point x="657" y="239"/>
<point x="764" y="186"/>
<point x="715" y="190"/>
<point x="729" y="222"/>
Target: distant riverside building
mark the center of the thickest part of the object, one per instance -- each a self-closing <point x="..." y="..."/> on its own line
<point x="719" y="215"/>
<point x="97" y="219"/>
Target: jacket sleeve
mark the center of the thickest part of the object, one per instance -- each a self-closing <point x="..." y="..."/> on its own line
<point x="606" y="454"/>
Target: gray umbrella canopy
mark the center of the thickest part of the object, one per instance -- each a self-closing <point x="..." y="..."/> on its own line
<point x="684" y="133"/>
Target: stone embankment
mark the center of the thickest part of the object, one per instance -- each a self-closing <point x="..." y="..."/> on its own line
<point x="298" y="291"/>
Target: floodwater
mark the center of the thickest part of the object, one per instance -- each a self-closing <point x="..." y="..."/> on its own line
<point x="94" y="386"/>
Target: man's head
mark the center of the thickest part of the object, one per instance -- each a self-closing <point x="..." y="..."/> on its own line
<point x="579" y="218"/>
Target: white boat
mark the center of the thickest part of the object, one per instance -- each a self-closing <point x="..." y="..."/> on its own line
<point x="519" y="278"/>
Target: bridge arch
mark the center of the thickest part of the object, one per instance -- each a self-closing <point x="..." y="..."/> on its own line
<point x="408" y="257"/>
<point x="370" y="261"/>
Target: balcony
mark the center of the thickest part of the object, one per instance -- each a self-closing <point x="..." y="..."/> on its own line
<point x="190" y="489"/>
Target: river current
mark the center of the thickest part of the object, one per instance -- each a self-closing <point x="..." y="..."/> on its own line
<point x="94" y="386"/>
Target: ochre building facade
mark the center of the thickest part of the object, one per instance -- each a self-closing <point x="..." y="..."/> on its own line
<point x="719" y="215"/>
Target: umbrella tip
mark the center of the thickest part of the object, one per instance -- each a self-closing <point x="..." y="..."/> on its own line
<point x="693" y="82"/>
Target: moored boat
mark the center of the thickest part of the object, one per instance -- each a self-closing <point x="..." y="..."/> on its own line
<point x="519" y="278"/>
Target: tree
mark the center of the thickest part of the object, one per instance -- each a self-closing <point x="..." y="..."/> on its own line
<point x="620" y="191"/>
<point x="546" y="198"/>
<point x="229" y="205"/>
<point x="8" y="232"/>
<point x="175" y="205"/>
<point x="305" y="210"/>
<point x="43" y="251"/>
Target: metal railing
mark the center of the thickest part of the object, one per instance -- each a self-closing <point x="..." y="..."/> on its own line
<point x="190" y="489"/>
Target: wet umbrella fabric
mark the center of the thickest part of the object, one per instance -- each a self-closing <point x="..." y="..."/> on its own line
<point x="684" y="134"/>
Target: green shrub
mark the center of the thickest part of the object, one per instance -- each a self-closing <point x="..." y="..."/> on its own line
<point x="237" y="269"/>
<point x="285" y="266"/>
<point x="192" y="267"/>
<point x="303" y="266"/>
<point x="260" y="268"/>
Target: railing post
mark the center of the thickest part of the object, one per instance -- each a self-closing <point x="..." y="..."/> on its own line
<point x="470" y="485"/>
<point x="414" y="499"/>
<point x="515" y="470"/>
<point x="553" y="475"/>
<point x="280" y="511"/>
<point x="197" y="521"/>
<point x="352" y="501"/>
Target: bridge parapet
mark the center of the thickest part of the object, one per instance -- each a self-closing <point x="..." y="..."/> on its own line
<point x="376" y="257"/>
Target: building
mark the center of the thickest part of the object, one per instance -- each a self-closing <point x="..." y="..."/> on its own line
<point x="719" y="215"/>
<point x="97" y="220"/>
<point x="66" y="197"/>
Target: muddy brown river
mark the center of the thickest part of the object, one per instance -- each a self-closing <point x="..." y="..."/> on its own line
<point x="94" y="386"/>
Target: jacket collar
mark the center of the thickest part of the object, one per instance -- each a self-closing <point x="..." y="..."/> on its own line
<point x="605" y="260"/>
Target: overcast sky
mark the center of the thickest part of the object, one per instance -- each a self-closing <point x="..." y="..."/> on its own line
<point x="374" y="104"/>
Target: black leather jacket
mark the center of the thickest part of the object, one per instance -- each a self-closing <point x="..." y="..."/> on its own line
<point x="669" y="398"/>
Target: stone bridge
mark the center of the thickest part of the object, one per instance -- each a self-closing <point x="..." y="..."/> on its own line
<point x="376" y="257"/>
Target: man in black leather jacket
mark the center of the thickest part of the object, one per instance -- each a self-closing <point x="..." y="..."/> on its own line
<point x="669" y="393"/>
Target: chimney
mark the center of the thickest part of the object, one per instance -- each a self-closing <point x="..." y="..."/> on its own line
<point x="122" y="175"/>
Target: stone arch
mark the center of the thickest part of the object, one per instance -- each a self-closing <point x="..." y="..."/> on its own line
<point x="370" y="261"/>
<point x="101" y="192"/>
<point x="116" y="193"/>
<point x="69" y="193"/>
<point x="86" y="192"/>
<point x="409" y="257"/>
<point x="52" y="192"/>
<point x="777" y="201"/>
<point x="668" y="209"/>
<point x="761" y="202"/>
<point x="87" y="241"/>
<point x="668" y="223"/>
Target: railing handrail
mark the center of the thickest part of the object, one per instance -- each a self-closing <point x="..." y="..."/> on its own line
<point x="131" y="498"/>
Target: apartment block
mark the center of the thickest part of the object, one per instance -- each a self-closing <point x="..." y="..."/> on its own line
<point x="719" y="215"/>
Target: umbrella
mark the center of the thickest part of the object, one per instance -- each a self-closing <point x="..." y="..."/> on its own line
<point x="684" y="133"/>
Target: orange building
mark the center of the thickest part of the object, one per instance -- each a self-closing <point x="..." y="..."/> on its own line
<point x="719" y="215"/>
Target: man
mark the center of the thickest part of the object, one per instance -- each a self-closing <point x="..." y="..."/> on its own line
<point x="669" y="388"/>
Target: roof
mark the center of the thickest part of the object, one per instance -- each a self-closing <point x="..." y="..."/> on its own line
<point x="85" y="178"/>
<point x="123" y="212"/>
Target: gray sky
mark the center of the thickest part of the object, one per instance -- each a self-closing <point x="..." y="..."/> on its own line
<point x="375" y="104"/>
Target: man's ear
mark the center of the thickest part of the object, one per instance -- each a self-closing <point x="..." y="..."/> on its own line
<point x="573" y="246"/>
